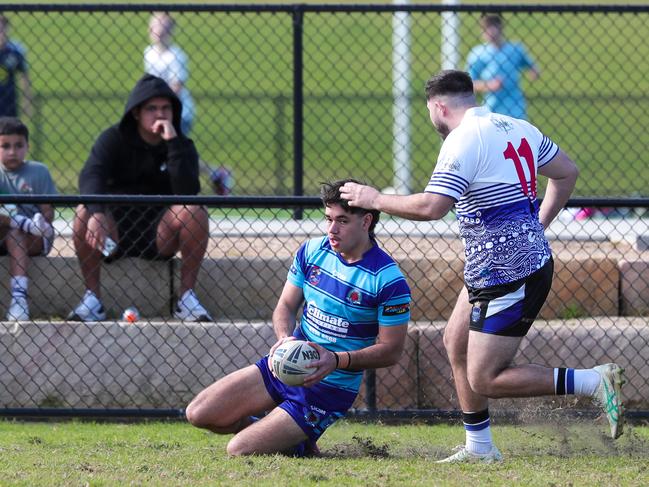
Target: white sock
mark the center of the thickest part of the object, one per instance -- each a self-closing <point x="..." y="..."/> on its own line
<point x="580" y="382"/>
<point x="24" y="224"/>
<point x="477" y="427"/>
<point x="19" y="286"/>
<point x="586" y="381"/>
<point x="479" y="441"/>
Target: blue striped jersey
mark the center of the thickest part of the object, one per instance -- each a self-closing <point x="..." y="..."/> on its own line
<point x="488" y="164"/>
<point x="344" y="304"/>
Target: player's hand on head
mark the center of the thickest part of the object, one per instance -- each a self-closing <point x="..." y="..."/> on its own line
<point x="165" y="128"/>
<point x="324" y="366"/>
<point x="359" y="195"/>
<point x="274" y="347"/>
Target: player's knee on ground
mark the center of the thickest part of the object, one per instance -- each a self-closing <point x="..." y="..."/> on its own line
<point x="197" y="415"/>
<point x="236" y="447"/>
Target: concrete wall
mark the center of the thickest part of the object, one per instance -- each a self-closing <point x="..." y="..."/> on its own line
<point x="163" y="365"/>
<point x="246" y="288"/>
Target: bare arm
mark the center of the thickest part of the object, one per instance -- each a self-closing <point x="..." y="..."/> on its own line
<point x="385" y="352"/>
<point x="562" y="173"/>
<point x="284" y="316"/>
<point x="286" y="309"/>
<point x="487" y="86"/>
<point x="420" y="206"/>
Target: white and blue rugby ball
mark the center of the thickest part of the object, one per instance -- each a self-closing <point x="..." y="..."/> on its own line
<point x="290" y="360"/>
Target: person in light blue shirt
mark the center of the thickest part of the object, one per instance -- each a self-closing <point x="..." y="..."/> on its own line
<point x="355" y="311"/>
<point x="496" y="67"/>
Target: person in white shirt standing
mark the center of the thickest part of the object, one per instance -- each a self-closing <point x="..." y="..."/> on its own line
<point x="487" y="168"/>
<point x="169" y="62"/>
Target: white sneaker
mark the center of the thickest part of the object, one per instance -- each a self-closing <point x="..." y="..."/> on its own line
<point x="609" y="396"/>
<point x="189" y="309"/>
<point x="41" y="226"/>
<point x="462" y="455"/>
<point x="18" y="309"/>
<point x="89" y="309"/>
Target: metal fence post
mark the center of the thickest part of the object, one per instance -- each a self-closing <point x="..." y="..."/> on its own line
<point x="298" y="100"/>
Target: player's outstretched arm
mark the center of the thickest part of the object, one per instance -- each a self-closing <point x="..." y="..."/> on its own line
<point x="419" y="206"/>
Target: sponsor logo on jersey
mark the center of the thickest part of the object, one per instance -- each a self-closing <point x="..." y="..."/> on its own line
<point x="354" y="296"/>
<point x="396" y="309"/>
<point x="324" y="320"/>
<point x="314" y="275"/>
<point x="293" y="269"/>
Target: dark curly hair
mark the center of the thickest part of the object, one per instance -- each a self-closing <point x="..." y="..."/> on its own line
<point x="330" y="195"/>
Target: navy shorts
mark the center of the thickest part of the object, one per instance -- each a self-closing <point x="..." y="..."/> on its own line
<point x="313" y="408"/>
<point x="510" y="309"/>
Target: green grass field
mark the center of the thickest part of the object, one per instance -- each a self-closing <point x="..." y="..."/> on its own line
<point x="353" y="454"/>
<point x="591" y="98"/>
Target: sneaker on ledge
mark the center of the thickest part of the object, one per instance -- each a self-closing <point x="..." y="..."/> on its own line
<point x="190" y="309"/>
<point x="18" y="309"/>
<point x="89" y="310"/>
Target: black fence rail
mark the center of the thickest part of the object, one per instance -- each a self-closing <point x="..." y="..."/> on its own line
<point x="285" y="96"/>
<point x="54" y="366"/>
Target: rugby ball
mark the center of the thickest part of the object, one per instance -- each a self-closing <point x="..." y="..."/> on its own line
<point x="290" y="360"/>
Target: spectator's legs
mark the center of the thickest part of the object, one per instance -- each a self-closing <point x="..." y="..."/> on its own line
<point x="184" y="228"/>
<point x="20" y="247"/>
<point x="89" y="258"/>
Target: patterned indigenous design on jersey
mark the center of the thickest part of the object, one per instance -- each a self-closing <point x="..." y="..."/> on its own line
<point x="344" y="304"/>
<point x="488" y="165"/>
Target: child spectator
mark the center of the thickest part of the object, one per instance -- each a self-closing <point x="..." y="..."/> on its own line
<point x="26" y="229"/>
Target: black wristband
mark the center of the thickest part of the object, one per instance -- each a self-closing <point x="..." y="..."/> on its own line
<point x="349" y="358"/>
<point x="337" y="359"/>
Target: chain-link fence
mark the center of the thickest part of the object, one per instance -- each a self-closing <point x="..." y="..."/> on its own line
<point x="596" y="311"/>
<point x="286" y="97"/>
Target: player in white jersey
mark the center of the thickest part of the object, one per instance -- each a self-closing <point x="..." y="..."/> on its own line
<point x="487" y="168"/>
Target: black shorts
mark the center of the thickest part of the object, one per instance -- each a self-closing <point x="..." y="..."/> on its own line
<point x="510" y="309"/>
<point x="138" y="229"/>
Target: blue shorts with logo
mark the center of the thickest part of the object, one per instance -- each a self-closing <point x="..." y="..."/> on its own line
<point x="313" y="408"/>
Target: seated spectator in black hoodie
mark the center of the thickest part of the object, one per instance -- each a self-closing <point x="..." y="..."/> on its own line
<point x="145" y="153"/>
